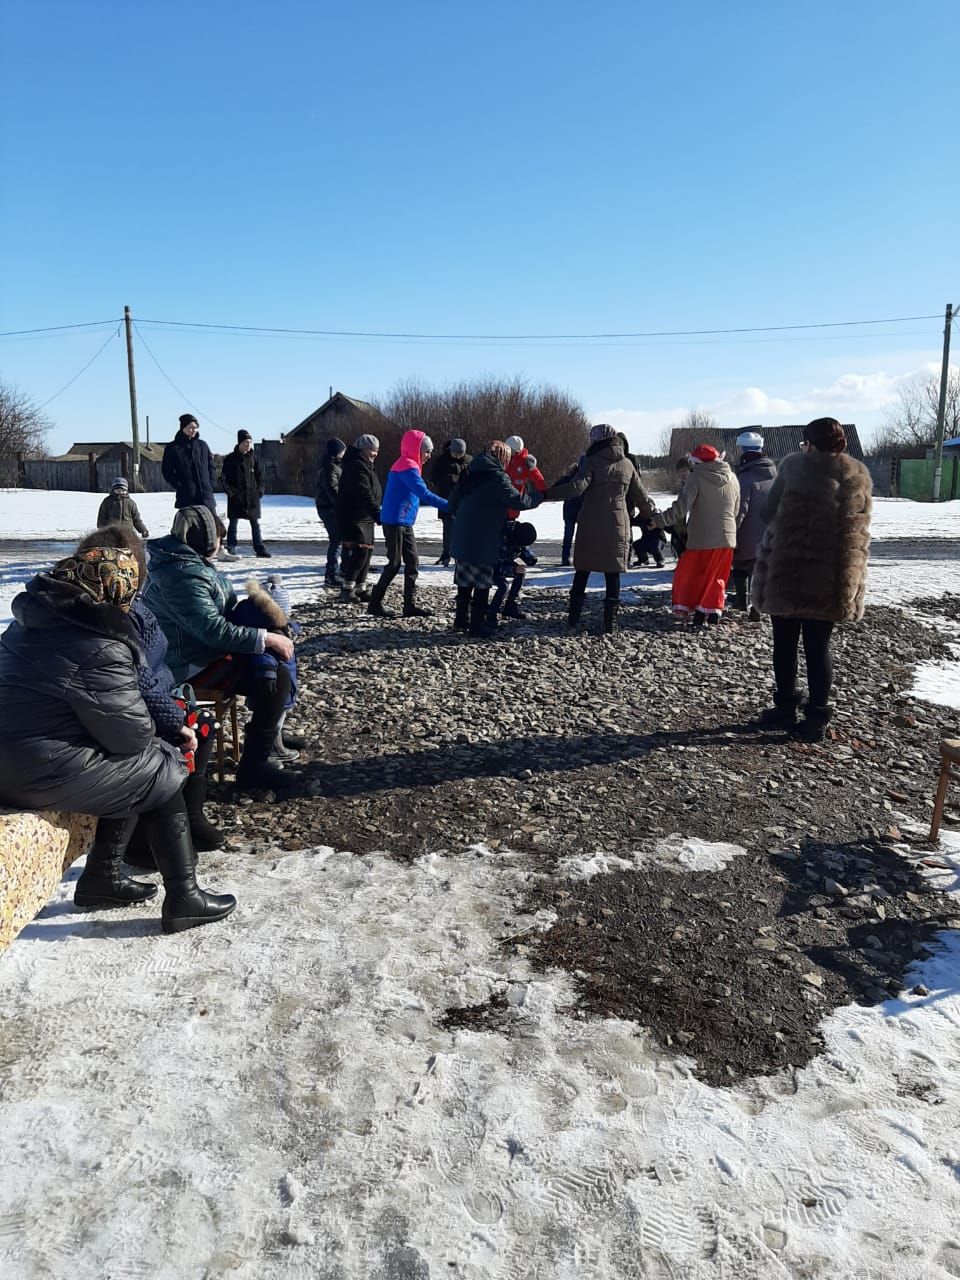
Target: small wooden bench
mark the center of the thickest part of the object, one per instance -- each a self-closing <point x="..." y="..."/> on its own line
<point x="224" y="705"/>
<point x="35" y="850"/>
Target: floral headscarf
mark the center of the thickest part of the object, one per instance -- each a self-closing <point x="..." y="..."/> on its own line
<point x="109" y="575"/>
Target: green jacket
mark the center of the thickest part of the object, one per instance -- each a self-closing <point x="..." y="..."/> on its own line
<point x="192" y="601"/>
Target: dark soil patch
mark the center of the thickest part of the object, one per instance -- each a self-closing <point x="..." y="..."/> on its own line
<point x="557" y="743"/>
<point x="491" y="1015"/>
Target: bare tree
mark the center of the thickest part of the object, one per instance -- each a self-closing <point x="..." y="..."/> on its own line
<point x="551" y="423"/>
<point x="23" y="429"/>
<point x="697" y="426"/>
<point x="910" y="425"/>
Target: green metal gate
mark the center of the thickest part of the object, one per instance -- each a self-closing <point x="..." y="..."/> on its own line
<point x="916" y="479"/>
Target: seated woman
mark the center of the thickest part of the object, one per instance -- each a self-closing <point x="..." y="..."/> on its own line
<point x="192" y="602"/>
<point x="169" y="715"/>
<point x="76" y="734"/>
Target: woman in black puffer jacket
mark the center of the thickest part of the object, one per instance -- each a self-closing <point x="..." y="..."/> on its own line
<point x="76" y="734"/>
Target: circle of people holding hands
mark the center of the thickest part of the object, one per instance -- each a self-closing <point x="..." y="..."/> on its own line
<point x="113" y="668"/>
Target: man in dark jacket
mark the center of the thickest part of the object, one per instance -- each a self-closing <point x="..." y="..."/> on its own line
<point x="328" y="484"/>
<point x="571" y="513"/>
<point x="358" y="512"/>
<point x="444" y="474"/>
<point x="756" y="474"/>
<point x="243" y="482"/>
<point x="188" y="466"/>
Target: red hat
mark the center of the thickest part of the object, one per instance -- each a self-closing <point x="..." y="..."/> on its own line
<point x="705" y="453"/>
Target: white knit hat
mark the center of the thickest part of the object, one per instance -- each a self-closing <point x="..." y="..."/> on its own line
<point x="513" y="443"/>
<point x="750" y="442"/>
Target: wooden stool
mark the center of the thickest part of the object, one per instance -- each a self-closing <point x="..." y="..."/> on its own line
<point x="949" y="770"/>
<point x="222" y="706"/>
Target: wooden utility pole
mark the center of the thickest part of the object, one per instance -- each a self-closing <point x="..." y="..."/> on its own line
<point x="132" y="379"/>
<point x="942" y="406"/>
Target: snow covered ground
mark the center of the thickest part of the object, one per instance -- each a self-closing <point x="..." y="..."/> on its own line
<point x="275" y="1097"/>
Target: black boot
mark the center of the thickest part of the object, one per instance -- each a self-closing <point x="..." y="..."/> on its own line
<point x="262" y="553"/>
<point x="102" y="883"/>
<point x="699" y="620"/>
<point x="376" y="604"/>
<point x="410" y="607"/>
<point x="575" y="608"/>
<point x="205" y="835"/>
<point x="185" y="906"/>
<point x="256" y="772"/>
<point x="461" y="618"/>
<point x="610" y="610"/>
<point x="740" y="592"/>
<point x="478" y="613"/>
<point x="813" y="726"/>
<point x="783" y="713"/>
<point x="138" y="852"/>
<point x="512" y="609"/>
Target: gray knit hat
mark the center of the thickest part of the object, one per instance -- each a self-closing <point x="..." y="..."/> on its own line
<point x="367" y="442"/>
<point x="196" y="526"/>
<point x="458" y="447"/>
<point x="602" y="431"/>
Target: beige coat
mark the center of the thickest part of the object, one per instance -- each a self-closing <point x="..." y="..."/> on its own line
<point x="709" y="500"/>
<point x="611" y="488"/>
<point x="812" y="558"/>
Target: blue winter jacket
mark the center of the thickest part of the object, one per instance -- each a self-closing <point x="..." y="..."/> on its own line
<point x="154" y="677"/>
<point x="192" y="603"/>
<point x="405" y="486"/>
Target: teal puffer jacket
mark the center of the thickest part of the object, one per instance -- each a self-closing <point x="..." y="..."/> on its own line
<point x="191" y="600"/>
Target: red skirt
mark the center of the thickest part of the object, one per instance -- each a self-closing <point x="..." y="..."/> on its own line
<point x="700" y="580"/>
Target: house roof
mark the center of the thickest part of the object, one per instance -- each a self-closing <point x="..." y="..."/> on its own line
<point x="777" y="441"/>
<point x="80" y="450"/>
<point x="337" y="402"/>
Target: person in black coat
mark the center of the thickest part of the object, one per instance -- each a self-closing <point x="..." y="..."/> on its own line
<point x="188" y="466"/>
<point x="76" y="734"/>
<point x="243" y="482"/>
<point x="328" y="484"/>
<point x="444" y="474"/>
<point x="358" y="512"/>
<point x="571" y="513"/>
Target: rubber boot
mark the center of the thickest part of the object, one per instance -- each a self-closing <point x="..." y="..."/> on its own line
<point x="610" y="610"/>
<point x="461" y="618"/>
<point x="479" y="604"/>
<point x="103" y="884"/>
<point x="575" y="607"/>
<point x="205" y="835"/>
<point x="410" y="607"/>
<point x="783" y="713"/>
<point x="185" y="905"/>
<point x="813" y="726"/>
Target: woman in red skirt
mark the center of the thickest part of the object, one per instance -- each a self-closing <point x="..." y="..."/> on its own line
<point x="708" y="502"/>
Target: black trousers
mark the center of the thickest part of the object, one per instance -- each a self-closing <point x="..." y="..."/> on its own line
<point x="355" y="564"/>
<point x="401" y="548"/>
<point x="446" y="523"/>
<point x="612" y="580"/>
<point x="816" y="647"/>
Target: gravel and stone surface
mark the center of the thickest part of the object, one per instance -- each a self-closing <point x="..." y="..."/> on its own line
<point x="564" y="744"/>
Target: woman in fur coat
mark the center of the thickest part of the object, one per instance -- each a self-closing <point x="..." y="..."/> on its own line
<point x="811" y="567"/>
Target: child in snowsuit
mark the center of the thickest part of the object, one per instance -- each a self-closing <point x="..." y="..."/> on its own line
<point x="119" y="508"/>
<point x="510" y="571"/>
<point x="267" y="605"/>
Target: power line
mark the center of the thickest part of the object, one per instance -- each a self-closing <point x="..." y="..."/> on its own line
<point x="526" y="337"/>
<point x="184" y="398"/>
<point x="474" y="337"/>
<point x="69" y="384"/>
<point x="58" y="328"/>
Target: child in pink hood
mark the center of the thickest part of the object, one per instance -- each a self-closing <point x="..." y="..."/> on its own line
<point x="402" y="497"/>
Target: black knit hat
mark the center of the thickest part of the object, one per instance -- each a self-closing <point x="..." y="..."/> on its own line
<point x="243" y="435"/>
<point x="196" y="526"/>
<point x="186" y="419"/>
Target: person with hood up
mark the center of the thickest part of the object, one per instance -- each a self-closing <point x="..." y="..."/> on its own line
<point x="444" y="474"/>
<point x="481" y="505"/>
<point x="119" y="508"/>
<point x="708" y="501"/>
<point x="811" y="568"/>
<point x="755" y="474"/>
<point x="328" y="485"/>
<point x="358" y="512"/>
<point x="610" y="487"/>
<point x="243" y="482"/>
<point x="193" y="603"/>
<point x="76" y="734"/>
<point x="522" y="470"/>
<point x="404" y="493"/>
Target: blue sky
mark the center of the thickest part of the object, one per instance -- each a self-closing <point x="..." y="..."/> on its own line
<point x="494" y="168"/>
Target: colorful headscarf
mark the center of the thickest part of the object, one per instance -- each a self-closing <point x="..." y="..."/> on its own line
<point x="502" y="452"/>
<point x="108" y="575"/>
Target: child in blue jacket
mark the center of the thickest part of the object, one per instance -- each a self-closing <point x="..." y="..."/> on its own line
<point x="402" y="497"/>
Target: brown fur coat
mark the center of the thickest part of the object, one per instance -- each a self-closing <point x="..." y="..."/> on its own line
<point x="812" y="559"/>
